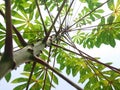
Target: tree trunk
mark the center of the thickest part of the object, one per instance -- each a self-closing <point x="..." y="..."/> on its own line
<point x="21" y="56"/>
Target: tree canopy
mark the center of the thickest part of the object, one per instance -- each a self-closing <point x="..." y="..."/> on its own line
<point x="47" y="35"/>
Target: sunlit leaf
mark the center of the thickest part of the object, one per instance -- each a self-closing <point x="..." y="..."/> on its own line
<point x="18" y="80"/>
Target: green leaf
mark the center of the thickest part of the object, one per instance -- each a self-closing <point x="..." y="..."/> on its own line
<point x="92" y="17"/>
<point x="90" y="4"/>
<point x="52" y="7"/>
<point x="84" y="77"/>
<point x="18" y="80"/>
<point x="68" y="70"/>
<point x="102" y="20"/>
<point x="2" y="43"/>
<point x="2" y="27"/>
<point x="112" y="40"/>
<point x="87" y="86"/>
<point x="20" y="87"/>
<point x="97" y="15"/>
<point x="31" y="15"/>
<point x="36" y="15"/>
<point x="17" y="21"/>
<point x="7" y="77"/>
<point x="110" y="19"/>
<point x="100" y="11"/>
<point x="111" y="4"/>
<point x="17" y="15"/>
<point x="28" y="67"/>
<point x="55" y="79"/>
<point x="116" y="85"/>
<point x="36" y="86"/>
<point x="75" y="70"/>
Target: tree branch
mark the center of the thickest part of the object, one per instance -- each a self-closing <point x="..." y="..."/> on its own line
<point x="42" y="62"/>
<point x="21" y="56"/>
<point x="45" y="39"/>
<point x="31" y="73"/>
<point x="45" y="29"/>
<point x="65" y="16"/>
<point x="8" y="40"/>
<point x="88" y="57"/>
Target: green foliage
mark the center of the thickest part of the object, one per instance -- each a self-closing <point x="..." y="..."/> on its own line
<point x="93" y="73"/>
<point x="92" y="29"/>
<point x="90" y="18"/>
<point x="111" y="4"/>
<point x="37" y="80"/>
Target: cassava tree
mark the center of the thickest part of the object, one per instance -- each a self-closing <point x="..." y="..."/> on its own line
<point x="49" y="32"/>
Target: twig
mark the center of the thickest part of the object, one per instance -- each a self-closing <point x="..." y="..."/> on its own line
<point x="46" y="69"/>
<point x="45" y="39"/>
<point x="65" y="17"/>
<point x="45" y="29"/>
<point x="31" y="73"/>
<point x="50" y="16"/>
<point x="89" y="13"/>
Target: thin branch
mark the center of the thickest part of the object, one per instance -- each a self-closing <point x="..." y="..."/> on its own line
<point x="50" y="16"/>
<point x="94" y="68"/>
<point x="53" y="65"/>
<point x="45" y="39"/>
<point x="65" y="17"/>
<point x="42" y="62"/>
<point x="94" y="26"/>
<point x="77" y="10"/>
<point x="46" y="69"/>
<point x="22" y="41"/>
<point x="31" y="73"/>
<point x="45" y="29"/>
<point x="89" y="63"/>
<point x="89" y="13"/>
<point x="58" y="9"/>
<point x="86" y="56"/>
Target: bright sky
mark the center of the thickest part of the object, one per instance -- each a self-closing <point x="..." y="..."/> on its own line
<point x="106" y="53"/>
